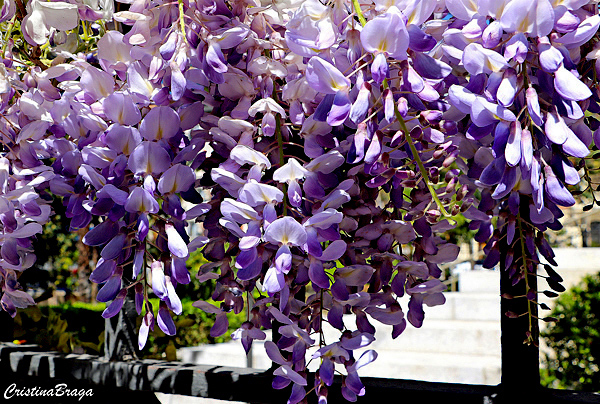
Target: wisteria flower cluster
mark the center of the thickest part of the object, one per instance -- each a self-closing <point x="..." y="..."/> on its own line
<point x="323" y="148"/>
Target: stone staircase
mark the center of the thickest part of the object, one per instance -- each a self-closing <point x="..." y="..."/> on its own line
<point x="459" y="342"/>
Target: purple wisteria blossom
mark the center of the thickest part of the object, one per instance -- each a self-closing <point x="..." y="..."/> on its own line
<point x="314" y="154"/>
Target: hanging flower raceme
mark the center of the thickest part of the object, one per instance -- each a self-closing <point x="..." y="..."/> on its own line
<point x="314" y="154"/>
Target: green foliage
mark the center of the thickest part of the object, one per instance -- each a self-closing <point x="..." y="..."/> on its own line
<point x="575" y="339"/>
<point x="193" y="328"/>
<point x="64" y="328"/>
<point x="79" y="328"/>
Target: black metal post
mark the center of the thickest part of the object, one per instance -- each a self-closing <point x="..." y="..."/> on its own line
<point x="120" y="342"/>
<point x="520" y="380"/>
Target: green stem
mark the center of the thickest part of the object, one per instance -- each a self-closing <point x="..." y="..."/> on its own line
<point x="181" y="15"/>
<point x="417" y="158"/>
<point x="8" y="33"/>
<point x="524" y="269"/>
<point x="359" y="13"/>
<point x="281" y="156"/>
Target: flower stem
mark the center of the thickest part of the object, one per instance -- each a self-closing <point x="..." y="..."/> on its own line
<point x="417" y="158"/>
<point x="359" y="13"/>
<point x="281" y="156"/>
<point x="181" y="15"/>
<point x="11" y="25"/>
<point x="524" y="269"/>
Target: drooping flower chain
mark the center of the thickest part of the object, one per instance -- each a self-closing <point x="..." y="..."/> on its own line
<point x="323" y="149"/>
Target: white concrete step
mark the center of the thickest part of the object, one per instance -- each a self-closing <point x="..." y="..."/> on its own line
<point x="443" y="336"/>
<point x="395" y="364"/>
<point x="447" y="368"/>
<point x="465" y="306"/>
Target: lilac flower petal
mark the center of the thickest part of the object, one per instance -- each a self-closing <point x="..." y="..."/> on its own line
<point x="165" y="321"/>
<point x="159" y="285"/>
<point x="555" y="189"/>
<point x="375" y="148"/>
<point x="512" y="152"/>
<point x="280" y="382"/>
<point x="447" y="252"/>
<point x="274" y="281"/>
<point x="101" y="233"/>
<point x="334" y="251"/>
<point x="430" y="286"/>
<point x="323" y="108"/>
<point x="115" y="306"/>
<point x="478" y="59"/>
<point x="119" y="107"/>
<point x="386" y="33"/>
<point x="206" y="307"/>
<point x="419" y="40"/>
<point x="251" y="271"/>
<point x="574" y="146"/>
<point x="110" y="289"/>
<point x="160" y="123"/>
<point x="326" y="372"/>
<point x="555" y="128"/>
<point x="179" y="270"/>
<point x="531" y="17"/>
<point x="526" y="149"/>
<point x="507" y="183"/>
<point x="243" y="154"/>
<point x="412" y="80"/>
<point x="492" y="174"/>
<point x="461" y="98"/>
<point x="274" y="354"/>
<point x="340" y="109"/>
<point x="569" y="86"/>
<point x="294" y="194"/>
<point x="508" y="88"/>
<point x="176" y="179"/>
<point x="379" y="68"/>
<point x="385" y="316"/>
<point x="246" y="257"/>
<point x="220" y="326"/>
<point x="117" y="195"/>
<point x="298" y="393"/>
<point x="287" y="372"/>
<point x="355" y="275"/>
<point x="358" y="111"/>
<point x="567" y="22"/>
<point x="533" y="106"/>
<point x="215" y="58"/>
<point x="138" y="262"/>
<point x="147" y="323"/>
<point x="313" y="245"/>
<point x="114" y="247"/>
<point x="485" y="113"/>
<point x="149" y="158"/>
<point x="104" y="269"/>
<point x="584" y="32"/>
<point x="286" y="230"/>
<point x="354" y="384"/>
<point x="177" y="246"/>
<point x="367" y="357"/>
<point x="283" y="259"/>
<point x="492" y="35"/>
<point x="429" y="67"/>
<point x="325" y="77"/>
<point x="178" y="82"/>
<point x="550" y="58"/>
<point x="317" y="274"/>
<point x="140" y="200"/>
